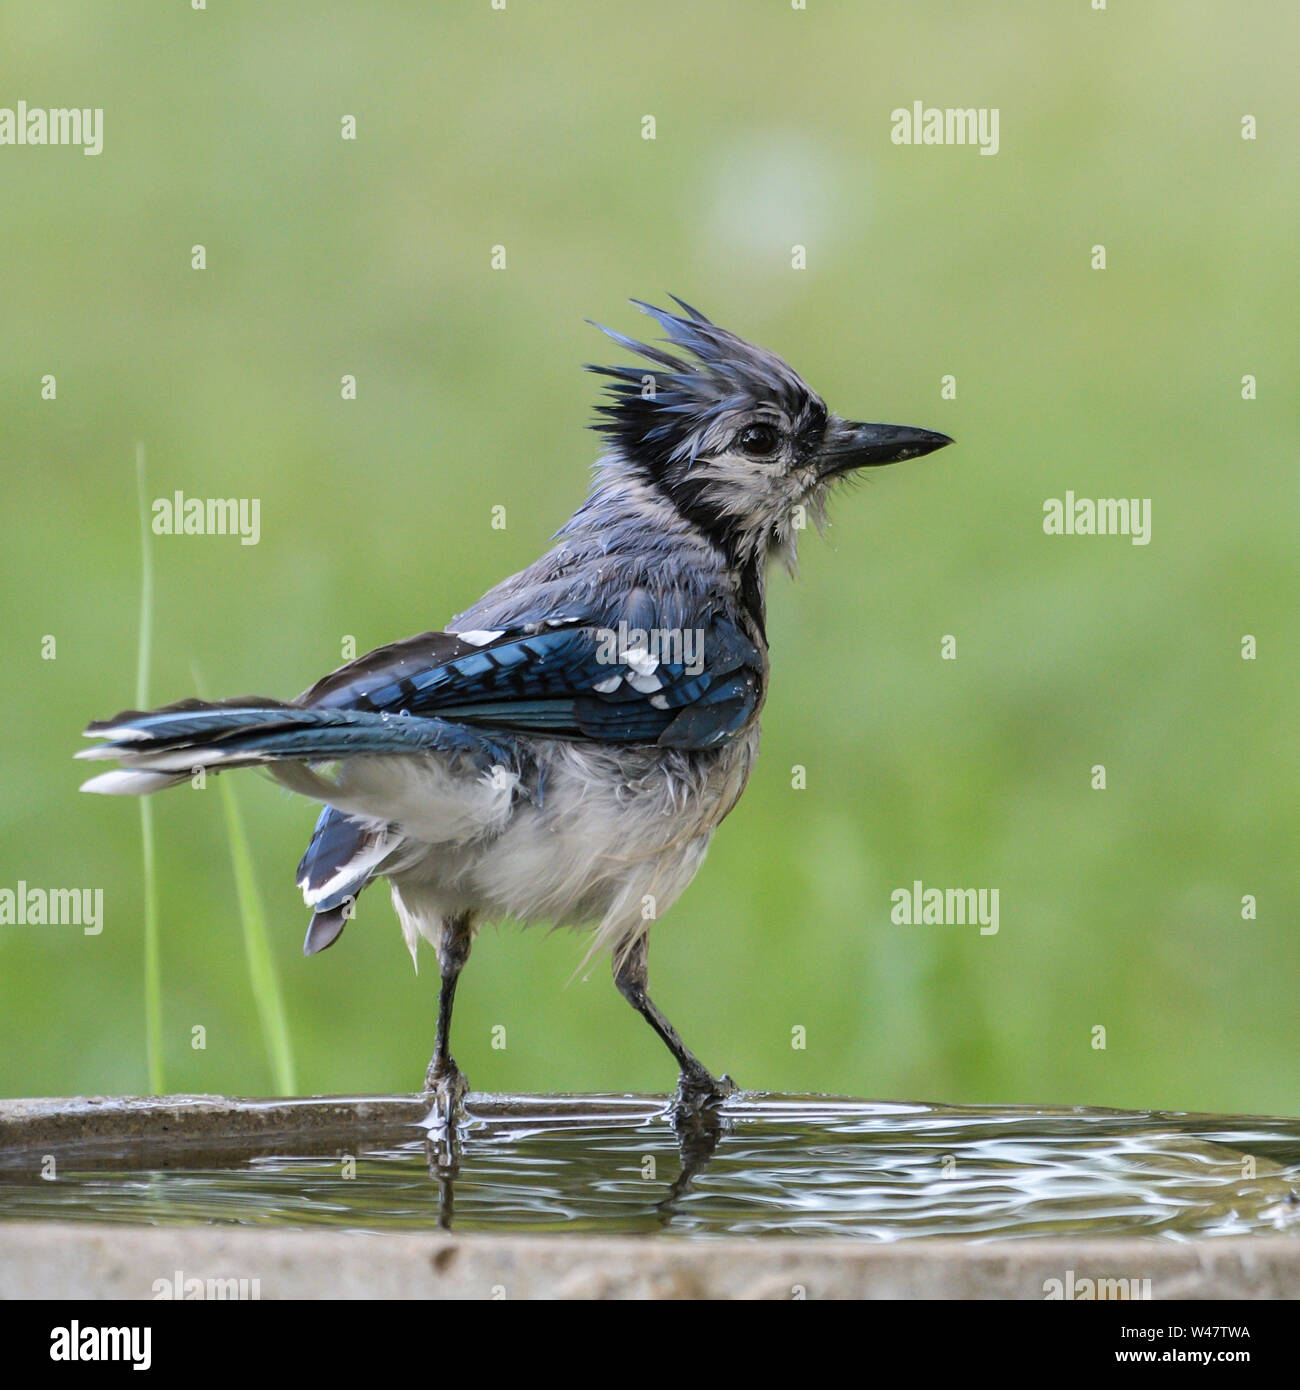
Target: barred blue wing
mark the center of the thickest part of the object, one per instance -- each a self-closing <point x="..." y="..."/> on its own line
<point x="566" y="681"/>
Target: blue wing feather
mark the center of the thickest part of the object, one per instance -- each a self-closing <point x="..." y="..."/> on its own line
<point x="544" y="682"/>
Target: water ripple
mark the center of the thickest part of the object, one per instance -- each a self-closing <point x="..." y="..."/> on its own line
<point x="774" y="1166"/>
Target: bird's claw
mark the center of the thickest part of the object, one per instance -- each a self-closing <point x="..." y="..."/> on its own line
<point x="445" y="1088"/>
<point x="696" y="1093"/>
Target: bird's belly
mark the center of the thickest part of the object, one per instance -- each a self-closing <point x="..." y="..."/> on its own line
<point x="618" y="831"/>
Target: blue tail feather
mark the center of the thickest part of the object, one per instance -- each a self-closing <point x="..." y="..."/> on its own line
<point x="235" y="734"/>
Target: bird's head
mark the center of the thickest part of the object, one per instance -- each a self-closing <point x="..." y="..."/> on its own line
<point x="733" y="437"/>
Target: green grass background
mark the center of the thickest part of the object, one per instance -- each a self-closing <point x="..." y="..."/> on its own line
<point x="1118" y="908"/>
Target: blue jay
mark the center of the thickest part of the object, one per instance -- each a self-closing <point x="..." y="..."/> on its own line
<point x="565" y="749"/>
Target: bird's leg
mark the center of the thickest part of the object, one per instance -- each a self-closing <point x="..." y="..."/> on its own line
<point x="698" y="1131"/>
<point x="444" y="1083"/>
<point x="696" y="1086"/>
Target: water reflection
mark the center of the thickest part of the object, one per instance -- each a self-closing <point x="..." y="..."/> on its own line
<point x="761" y="1165"/>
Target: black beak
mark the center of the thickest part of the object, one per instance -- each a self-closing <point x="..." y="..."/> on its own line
<point x="849" y="445"/>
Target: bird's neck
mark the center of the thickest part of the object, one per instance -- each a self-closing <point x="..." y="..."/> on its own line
<point x="624" y="514"/>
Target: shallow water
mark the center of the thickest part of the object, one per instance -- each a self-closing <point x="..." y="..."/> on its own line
<point x="770" y="1165"/>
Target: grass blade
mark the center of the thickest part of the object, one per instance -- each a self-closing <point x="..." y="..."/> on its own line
<point x="153" y="1028"/>
<point x="263" y="979"/>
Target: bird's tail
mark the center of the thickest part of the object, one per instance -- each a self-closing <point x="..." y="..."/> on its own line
<point x="164" y="747"/>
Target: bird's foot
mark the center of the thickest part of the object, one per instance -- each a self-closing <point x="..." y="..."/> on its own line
<point x="445" y="1087"/>
<point x="697" y="1091"/>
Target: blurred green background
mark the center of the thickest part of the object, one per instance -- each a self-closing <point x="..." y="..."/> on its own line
<point x="523" y="128"/>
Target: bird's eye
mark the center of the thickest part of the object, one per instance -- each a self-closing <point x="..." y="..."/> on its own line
<point x="758" y="440"/>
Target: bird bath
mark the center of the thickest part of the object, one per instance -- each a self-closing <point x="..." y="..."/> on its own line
<point x="593" y="1195"/>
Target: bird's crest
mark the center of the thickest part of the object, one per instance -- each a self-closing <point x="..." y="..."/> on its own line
<point x="658" y="417"/>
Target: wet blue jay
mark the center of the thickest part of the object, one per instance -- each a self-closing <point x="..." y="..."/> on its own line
<point x="565" y="749"/>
